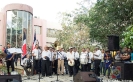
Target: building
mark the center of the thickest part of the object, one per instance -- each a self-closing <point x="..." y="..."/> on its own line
<point x="17" y="19"/>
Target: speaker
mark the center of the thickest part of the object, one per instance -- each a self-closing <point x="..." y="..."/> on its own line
<point x="84" y="77"/>
<point x="113" y="43"/>
<point x="10" y="78"/>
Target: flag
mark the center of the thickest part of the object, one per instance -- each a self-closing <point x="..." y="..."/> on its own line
<point x="24" y="50"/>
<point x="34" y="42"/>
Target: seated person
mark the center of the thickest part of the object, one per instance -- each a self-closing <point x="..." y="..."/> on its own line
<point x="27" y="64"/>
<point x="125" y="56"/>
<point x="118" y="56"/>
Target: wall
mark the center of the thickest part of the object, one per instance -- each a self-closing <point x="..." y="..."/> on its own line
<point x="40" y="37"/>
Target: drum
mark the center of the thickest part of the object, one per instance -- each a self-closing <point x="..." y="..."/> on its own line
<point x="83" y="60"/>
<point x="72" y="63"/>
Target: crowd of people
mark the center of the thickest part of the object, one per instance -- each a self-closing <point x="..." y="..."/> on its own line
<point x="49" y="61"/>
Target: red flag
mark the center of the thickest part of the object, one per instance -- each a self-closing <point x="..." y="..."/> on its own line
<point x="24" y="50"/>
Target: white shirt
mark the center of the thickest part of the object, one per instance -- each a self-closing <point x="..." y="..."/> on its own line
<point x="37" y="53"/>
<point x="45" y="53"/>
<point x="102" y="57"/>
<point x="76" y="55"/>
<point x="70" y="56"/>
<point x="60" y="55"/>
<point x="26" y="60"/>
<point x="83" y="55"/>
<point x="90" y="57"/>
<point x="98" y="53"/>
<point x="51" y="55"/>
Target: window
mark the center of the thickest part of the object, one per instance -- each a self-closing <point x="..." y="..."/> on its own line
<point x="52" y="32"/>
<point x="38" y="29"/>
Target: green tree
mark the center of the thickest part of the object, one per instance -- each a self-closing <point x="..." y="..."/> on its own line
<point x="128" y="37"/>
<point x="107" y="17"/>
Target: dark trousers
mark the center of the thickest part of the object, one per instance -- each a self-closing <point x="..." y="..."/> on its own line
<point x="55" y="65"/>
<point x="71" y="70"/>
<point x="66" y="66"/>
<point x="107" y="68"/>
<point x="76" y="66"/>
<point x="50" y="68"/>
<point x="97" y="67"/>
<point x="88" y="67"/>
<point x="26" y="70"/>
<point x="45" y="67"/>
<point x="36" y="64"/>
<point x="83" y="67"/>
<point x="8" y="64"/>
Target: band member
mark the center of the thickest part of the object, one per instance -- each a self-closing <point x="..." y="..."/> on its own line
<point x="89" y="55"/>
<point x="126" y="56"/>
<point x="60" y="57"/>
<point x="36" y="53"/>
<point x="9" y="59"/>
<point x="97" y="60"/>
<point x="45" y="61"/>
<point x="54" y="62"/>
<point x="76" y="59"/>
<point x="50" y="61"/>
<point x="27" y="64"/>
<point x="83" y="60"/>
<point x="70" y="58"/>
<point x="66" y="62"/>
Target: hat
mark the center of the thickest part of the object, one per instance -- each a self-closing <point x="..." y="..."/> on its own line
<point x="70" y="47"/>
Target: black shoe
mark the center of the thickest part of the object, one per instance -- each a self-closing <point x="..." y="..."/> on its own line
<point x="63" y="74"/>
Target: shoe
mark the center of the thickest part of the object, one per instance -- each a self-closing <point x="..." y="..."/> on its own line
<point x="63" y="74"/>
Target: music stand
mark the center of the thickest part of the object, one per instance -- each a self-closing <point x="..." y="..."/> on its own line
<point x="57" y="80"/>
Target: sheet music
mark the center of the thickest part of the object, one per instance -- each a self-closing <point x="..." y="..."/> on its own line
<point x="15" y="50"/>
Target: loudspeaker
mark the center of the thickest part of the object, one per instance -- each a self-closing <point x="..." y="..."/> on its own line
<point x="84" y="77"/>
<point x="113" y="43"/>
<point x="10" y="78"/>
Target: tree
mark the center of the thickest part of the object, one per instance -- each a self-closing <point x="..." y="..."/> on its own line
<point x="73" y="34"/>
<point x="107" y="17"/>
<point x="128" y="37"/>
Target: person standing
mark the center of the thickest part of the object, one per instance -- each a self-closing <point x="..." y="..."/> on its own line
<point x="76" y="60"/>
<point x="36" y="53"/>
<point x="97" y="60"/>
<point x="60" y="57"/>
<point x="50" y="61"/>
<point x="70" y="58"/>
<point x="45" y="61"/>
<point x="90" y="55"/>
<point x="9" y="59"/>
<point x="83" y="60"/>
<point x="102" y="64"/>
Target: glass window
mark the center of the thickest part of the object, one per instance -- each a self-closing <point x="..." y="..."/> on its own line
<point x="38" y="29"/>
<point x="52" y="32"/>
<point x="16" y="22"/>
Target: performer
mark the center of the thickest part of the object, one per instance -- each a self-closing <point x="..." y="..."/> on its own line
<point x="9" y="59"/>
<point x="76" y="59"/>
<point x="60" y="57"/>
<point x="27" y="64"/>
<point x="45" y="61"/>
<point x="83" y="60"/>
<point x="36" y="53"/>
<point x="97" y="60"/>
<point x="125" y="56"/>
<point x="70" y="58"/>
<point x="89" y="55"/>
<point x="66" y="62"/>
<point x="50" y="61"/>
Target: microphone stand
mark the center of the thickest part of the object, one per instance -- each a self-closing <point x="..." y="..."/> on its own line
<point x="57" y="71"/>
